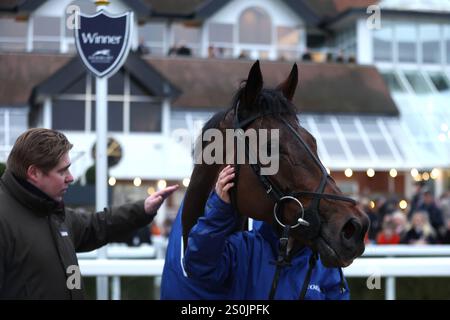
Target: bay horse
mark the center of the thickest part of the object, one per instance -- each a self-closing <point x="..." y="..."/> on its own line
<point x="300" y="200"/>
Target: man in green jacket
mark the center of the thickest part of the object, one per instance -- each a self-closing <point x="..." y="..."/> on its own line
<point x="39" y="237"/>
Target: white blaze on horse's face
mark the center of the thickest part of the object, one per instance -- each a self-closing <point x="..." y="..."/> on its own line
<point x="234" y="149"/>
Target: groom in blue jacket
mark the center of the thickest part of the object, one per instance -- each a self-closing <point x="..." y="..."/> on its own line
<point x="220" y="263"/>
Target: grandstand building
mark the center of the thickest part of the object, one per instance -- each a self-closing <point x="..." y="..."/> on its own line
<point x="374" y="85"/>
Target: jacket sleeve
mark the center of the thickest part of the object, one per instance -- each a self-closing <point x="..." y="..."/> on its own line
<point x="209" y="254"/>
<point x="90" y="231"/>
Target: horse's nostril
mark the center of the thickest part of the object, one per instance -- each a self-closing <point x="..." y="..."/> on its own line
<point x="349" y="230"/>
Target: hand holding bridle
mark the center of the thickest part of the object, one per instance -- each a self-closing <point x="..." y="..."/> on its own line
<point x="225" y="183"/>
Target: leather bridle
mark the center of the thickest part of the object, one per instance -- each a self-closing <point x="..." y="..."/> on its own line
<point x="308" y="222"/>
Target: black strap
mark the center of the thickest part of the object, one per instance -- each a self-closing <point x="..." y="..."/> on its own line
<point x="276" y="277"/>
<point x="281" y="260"/>
<point x="324" y="196"/>
<point x="312" y="264"/>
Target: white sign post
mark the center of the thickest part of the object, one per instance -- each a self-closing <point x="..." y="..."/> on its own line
<point x="103" y="43"/>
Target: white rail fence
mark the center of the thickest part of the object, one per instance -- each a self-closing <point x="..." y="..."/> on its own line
<point x="388" y="262"/>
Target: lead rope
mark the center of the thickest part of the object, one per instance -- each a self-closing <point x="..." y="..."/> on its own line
<point x="312" y="264"/>
<point x="281" y="260"/>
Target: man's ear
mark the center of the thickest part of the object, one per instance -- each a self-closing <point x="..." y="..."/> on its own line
<point x="34" y="173"/>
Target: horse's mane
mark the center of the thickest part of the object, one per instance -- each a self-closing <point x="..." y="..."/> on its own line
<point x="268" y="101"/>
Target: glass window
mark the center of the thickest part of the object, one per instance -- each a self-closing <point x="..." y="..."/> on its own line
<point x="381" y="148"/>
<point x="357" y="147"/>
<point x="68" y="115"/>
<point x="13" y="34"/>
<point x="431" y="44"/>
<point x="371" y="127"/>
<point x="178" y="119"/>
<point x="46" y="46"/>
<point x="152" y="32"/>
<point x="2" y="128"/>
<point x="116" y="83"/>
<point x="348" y="126"/>
<point x="18" y="123"/>
<point x="11" y="28"/>
<point x="220" y="32"/>
<point x="415" y="124"/>
<point x="186" y="35"/>
<point x="115" y="116"/>
<point x="428" y="147"/>
<point x="392" y="81"/>
<point x="145" y="117"/>
<point x="447" y="42"/>
<point x="440" y="81"/>
<point x="13" y="45"/>
<point x="324" y="126"/>
<point x="255" y="26"/>
<point x="47" y="26"/>
<point x="290" y="55"/>
<point x="417" y="82"/>
<point x="288" y="36"/>
<point x="333" y="147"/>
<point x="382" y="43"/>
<point x="398" y="144"/>
<point x="407" y="44"/>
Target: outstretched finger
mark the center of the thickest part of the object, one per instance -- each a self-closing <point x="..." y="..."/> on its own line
<point x="166" y="191"/>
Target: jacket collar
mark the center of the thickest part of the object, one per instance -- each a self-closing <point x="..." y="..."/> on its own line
<point x="31" y="196"/>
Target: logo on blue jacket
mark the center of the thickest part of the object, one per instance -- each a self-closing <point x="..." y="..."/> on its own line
<point x="103" y="41"/>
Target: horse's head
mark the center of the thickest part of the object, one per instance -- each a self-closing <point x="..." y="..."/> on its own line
<point x="299" y="191"/>
<point x="301" y="188"/>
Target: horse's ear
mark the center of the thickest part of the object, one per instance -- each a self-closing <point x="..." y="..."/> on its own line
<point x="289" y="85"/>
<point x="253" y="85"/>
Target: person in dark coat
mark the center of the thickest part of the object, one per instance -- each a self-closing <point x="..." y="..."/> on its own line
<point x="434" y="212"/>
<point x="39" y="237"/>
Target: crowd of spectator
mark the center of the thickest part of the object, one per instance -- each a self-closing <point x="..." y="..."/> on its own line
<point x="427" y="221"/>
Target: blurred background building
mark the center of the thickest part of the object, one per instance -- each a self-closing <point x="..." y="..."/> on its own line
<point x="374" y="92"/>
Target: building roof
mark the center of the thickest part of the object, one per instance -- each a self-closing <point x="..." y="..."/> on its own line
<point x="20" y="72"/>
<point x="207" y="83"/>
<point x="174" y="7"/>
<point x="150" y="79"/>
<point x="313" y="11"/>
<point x="9" y="5"/>
<point x="323" y="88"/>
<point x="331" y="8"/>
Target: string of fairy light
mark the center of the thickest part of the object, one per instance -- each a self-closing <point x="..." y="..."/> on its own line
<point x="402" y="204"/>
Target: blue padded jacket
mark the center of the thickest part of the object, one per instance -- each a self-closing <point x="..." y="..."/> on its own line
<point x="222" y="264"/>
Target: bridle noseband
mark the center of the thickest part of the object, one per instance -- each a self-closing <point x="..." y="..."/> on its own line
<point x="308" y="222"/>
